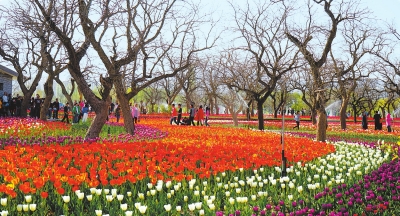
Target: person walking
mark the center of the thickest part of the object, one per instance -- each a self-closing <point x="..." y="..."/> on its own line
<point x="179" y="113"/>
<point x="174" y="115"/>
<point x="56" y="108"/>
<point x="364" y="122"/>
<point x="38" y="103"/>
<point x="118" y="113"/>
<point x="200" y="116"/>
<point x="192" y="113"/>
<point x="75" y="112"/>
<point x="85" y="111"/>
<point x="208" y="112"/>
<point x="378" y="121"/>
<point x="297" y="119"/>
<point x="389" y="122"/>
<point x="5" y="104"/>
<point x="135" y="113"/>
<point x="66" y="112"/>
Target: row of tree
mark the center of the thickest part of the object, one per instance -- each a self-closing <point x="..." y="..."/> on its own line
<point x="325" y="49"/>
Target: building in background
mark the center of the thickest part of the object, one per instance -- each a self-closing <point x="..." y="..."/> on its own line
<point x="6" y="76"/>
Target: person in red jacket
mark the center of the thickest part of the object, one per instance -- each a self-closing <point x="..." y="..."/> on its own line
<point x="200" y="116"/>
<point x="174" y="115"/>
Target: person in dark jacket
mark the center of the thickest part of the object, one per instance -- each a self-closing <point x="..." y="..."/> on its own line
<point x="378" y="121"/>
<point x="364" y="122"/>
<point x="66" y="112"/>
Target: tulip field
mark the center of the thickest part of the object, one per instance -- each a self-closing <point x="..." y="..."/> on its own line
<point x="48" y="168"/>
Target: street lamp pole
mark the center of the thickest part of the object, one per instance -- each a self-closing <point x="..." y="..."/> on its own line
<point x="283" y="144"/>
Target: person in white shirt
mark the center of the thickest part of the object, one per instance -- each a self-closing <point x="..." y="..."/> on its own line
<point x="297" y="119"/>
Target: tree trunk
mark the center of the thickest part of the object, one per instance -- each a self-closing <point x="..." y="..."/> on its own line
<point x="64" y="91"/>
<point x="25" y="104"/>
<point x="234" y="116"/>
<point x="48" y="91"/>
<point x="322" y="124"/>
<point x="216" y="106"/>
<point x="252" y="108"/>
<point x="124" y="104"/>
<point x="99" y="120"/>
<point x="343" y="114"/>
<point x="212" y="105"/>
<point x="355" y="114"/>
<point x="260" y="115"/>
<point x="313" y="116"/>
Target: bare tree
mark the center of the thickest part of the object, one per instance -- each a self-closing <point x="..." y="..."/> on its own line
<point x="61" y="19"/>
<point x="20" y="46"/>
<point x="141" y="35"/>
<point x="359" y="41"/>
<point x="188" y="80"/>
<point x="262" y="30"/>
<point x="153" y="95"/>
<point x="343" y="11"/>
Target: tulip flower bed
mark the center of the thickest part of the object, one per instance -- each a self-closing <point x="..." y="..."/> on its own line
<point x="182" y="170"/>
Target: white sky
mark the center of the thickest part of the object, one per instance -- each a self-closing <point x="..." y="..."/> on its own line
<point x="386" y="10"/>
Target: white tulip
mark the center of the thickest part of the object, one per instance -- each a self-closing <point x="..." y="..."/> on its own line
<point x="253" y="197"/>
<point x="25" y="207"/>
<point x="3" y="201"/>
<point x="120" y="197"/>
<point x="98" y="192"/>
<point x="142" y="209"/>
<point x="149" y="185"/>
<point x="99" y="212"/>
<point x="153" y="192"/>
<point x="141" y="195"/>
<point x="300" y="189"/>
<point x="128" y="213"/>
<point x="19" y="207"/>
<point x="211" y="206"/>
<point x="201" y="212"/>
<point x="198" y="205"/>
<point x="4" y="213"/>
<point x="192" y="207"/>
<point x="32" y="207"/>
<point x="66" y="199"/>
<point x="196" y="193"/>
<point x="231" y="201"/>
<point x="167" y="207"/>
<point x="185" y="198"/>
<point x="114" y="192"/>
<point x="178" y="208"/>
<point x="92" y="190"/>
<point x="89" y="197"/>
<point x="290" y="197"/>
<point x="77" y="192"/>
<point x="109" y="198"/>
<point x="28" y="198"/>
<point x="137" y="205"/>
<point x="106" y="191"/>
<point x="159" y="188"/>
<point x="124" y="207"/>
<point x="81" y="195"/>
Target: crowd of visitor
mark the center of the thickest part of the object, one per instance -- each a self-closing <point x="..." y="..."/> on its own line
<point x="195" y="114"/>
<point x="11" y="106"/>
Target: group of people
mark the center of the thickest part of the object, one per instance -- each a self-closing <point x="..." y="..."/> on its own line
<point x="10" y="106"/>
<point x="195" y="114"/>
<point x="378" y="121"/>
<point x="80" y="111"/>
